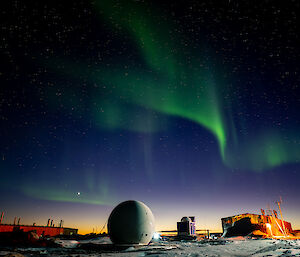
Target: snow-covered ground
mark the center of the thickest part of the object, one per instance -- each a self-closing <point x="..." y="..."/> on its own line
<point x="230" y="247"/>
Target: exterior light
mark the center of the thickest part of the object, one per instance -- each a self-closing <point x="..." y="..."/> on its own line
<point x="156" y="236"/>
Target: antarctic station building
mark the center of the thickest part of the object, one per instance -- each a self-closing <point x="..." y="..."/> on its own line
<point x="49" y="230"/>
<point x="186" y="227"/>
<point x="265" y="225"/>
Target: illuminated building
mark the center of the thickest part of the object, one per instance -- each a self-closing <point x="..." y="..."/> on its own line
<point x="186" y="227"/>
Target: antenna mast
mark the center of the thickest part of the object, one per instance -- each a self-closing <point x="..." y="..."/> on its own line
<point x="282" y="221"/>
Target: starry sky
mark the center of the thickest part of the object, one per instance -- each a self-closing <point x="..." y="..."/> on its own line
<point x="189" y="106"/>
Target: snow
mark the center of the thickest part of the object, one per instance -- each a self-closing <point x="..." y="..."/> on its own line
<point x="229" y="247"/>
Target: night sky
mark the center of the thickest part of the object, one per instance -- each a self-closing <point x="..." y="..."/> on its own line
<point x="189" y="106"/>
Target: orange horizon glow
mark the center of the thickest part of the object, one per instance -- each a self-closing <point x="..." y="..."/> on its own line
<point x="90" y="228"/>
<point x="89" y="218"/>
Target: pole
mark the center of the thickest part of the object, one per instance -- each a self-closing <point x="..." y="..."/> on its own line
<point x="2" y="215"/>
<point x="282" y="221"/>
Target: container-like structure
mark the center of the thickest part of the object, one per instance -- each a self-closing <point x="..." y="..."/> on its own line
<point x="256" y="224"/>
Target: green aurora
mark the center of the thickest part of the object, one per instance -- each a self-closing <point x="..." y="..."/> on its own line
<point x="166" y="84"/>
<point x="173" y="83"/>
<point x="94" y="190"/>
<point x="157" y="73"/>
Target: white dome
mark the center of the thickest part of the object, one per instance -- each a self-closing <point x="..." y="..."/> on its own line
<point x="185" y="219"/>
<point x="131" y="222"/>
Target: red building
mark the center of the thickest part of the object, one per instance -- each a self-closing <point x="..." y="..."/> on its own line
<point x="49" y="230"/>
